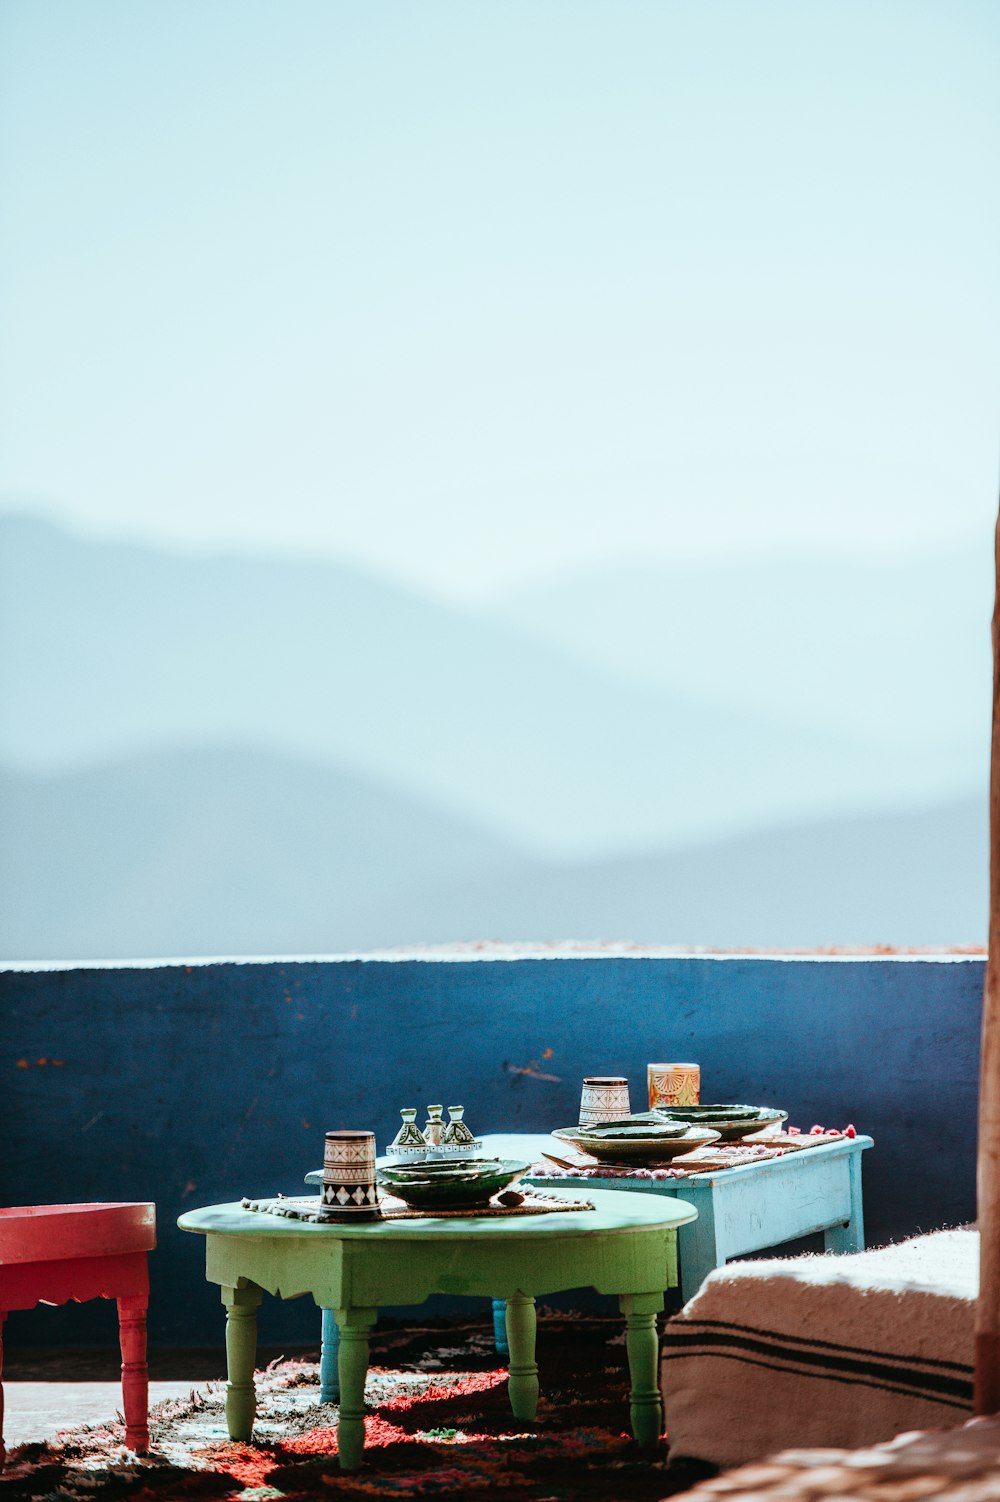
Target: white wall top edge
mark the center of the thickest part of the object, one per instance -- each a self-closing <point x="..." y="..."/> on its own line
<point x="457" y="954"/>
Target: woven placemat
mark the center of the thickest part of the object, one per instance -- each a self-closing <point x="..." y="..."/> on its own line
<point x="711" y="1159"/>
<point x="309" y="1208"/>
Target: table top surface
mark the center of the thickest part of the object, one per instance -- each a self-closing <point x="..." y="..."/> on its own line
<point x="615" y="1212"/>
<point x="535" y="1145"/>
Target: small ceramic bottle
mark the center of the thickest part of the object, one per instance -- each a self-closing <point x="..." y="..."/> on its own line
<point x="456" y="1133"/>
<point x="434" y="1130"/>
<point x="409" y="1134"/>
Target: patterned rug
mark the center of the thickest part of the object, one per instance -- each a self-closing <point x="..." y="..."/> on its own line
<point x="439" y="1426"/>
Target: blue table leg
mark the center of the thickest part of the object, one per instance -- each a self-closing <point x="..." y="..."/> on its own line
<point x="697" y="1243"/>
<point x="849" y="1237"/>
<point x="329" y="1372"/>
<point x="500" y="1327"/>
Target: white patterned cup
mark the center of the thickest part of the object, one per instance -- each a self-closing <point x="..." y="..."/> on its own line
<point x="673" y="1085"/>
<point x="349" y="1190"/>
<point x="604" y="1098"/>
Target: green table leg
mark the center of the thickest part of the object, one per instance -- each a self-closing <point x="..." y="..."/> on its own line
<point x="646" y="1405"/>
<point x="354" y="1325"/>
<point x="523" y="1378"/>
<point x="329" y="1378"/>
<point x="241" y="1350"/>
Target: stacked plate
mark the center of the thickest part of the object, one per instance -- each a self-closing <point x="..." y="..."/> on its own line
<point x="464" y="1184"/>
<point x="731" y="1122"/>
<point x="640" y="1139"/>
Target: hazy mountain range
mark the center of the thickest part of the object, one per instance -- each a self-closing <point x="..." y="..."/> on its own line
<point x="226" y="754"/>
<point x="895" y="652"/>
<point x="115" y="648"/>
<point x="245" y="852"/>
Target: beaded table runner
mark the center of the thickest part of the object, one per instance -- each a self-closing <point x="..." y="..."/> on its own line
<point x="703" y="1160"/>
<point x="309" y="1208"/>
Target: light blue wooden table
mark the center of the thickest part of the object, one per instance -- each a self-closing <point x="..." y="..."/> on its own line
<point x="740" y="1210"/>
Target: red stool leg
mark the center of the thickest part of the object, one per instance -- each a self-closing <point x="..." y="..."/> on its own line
<point x="3" y="1452"/>
<point x="135" y="1372"/>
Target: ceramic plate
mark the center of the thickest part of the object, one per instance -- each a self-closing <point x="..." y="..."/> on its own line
<point x="638" y="1118"/>
<point x="628" y="1148"/>
<point x="731" y="1122"/>
<point x="722" y="1111"/>
<point x="442" y="1168"/>
<point x="448" y="1186"/>
<point x="624" y="1131"/>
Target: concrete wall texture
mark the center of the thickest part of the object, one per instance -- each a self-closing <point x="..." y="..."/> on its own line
<point x="194" y="1084"/>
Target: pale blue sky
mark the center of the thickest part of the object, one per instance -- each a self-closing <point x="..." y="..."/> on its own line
<point x="469" y="293"/>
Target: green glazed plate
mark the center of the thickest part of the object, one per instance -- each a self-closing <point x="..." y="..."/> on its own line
<point x="648" y="1125"/>
<point x="731" y="1122"/>
<point x="440" y="1168"/>
<point x="464" y="1187"/>
<point x="629" y="1148"/>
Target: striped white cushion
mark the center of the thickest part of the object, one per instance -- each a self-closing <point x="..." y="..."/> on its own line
<point x="823" y="1350"/>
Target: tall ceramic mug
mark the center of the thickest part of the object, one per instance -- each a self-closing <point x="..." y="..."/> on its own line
<point x="673" y="1085"/>
<point x="349" y="1191"/>
<point x="604" y="1098"/>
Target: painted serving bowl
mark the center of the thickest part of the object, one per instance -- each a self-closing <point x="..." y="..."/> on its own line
<point x="730" y="1121"/>
<point x="467" y="1184"/>
<point x="639" y="1143"/>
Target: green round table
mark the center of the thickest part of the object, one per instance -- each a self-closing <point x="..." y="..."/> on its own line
<point x="626" y="1246"/>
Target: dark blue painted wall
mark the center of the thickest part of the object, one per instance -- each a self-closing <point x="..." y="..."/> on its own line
<point x="189" y="1085"/>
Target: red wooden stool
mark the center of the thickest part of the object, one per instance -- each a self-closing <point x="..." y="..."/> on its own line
<point x="50" y="1254"/>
